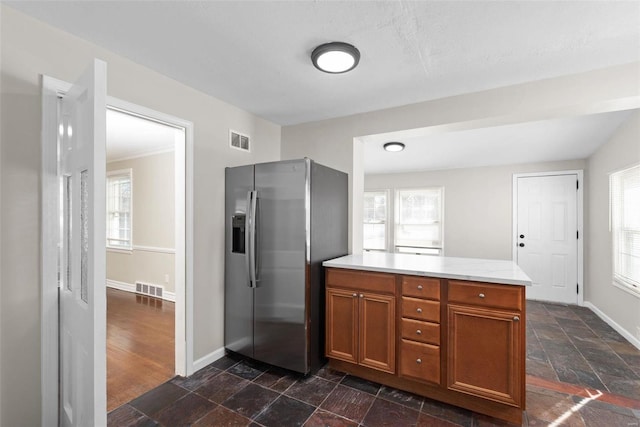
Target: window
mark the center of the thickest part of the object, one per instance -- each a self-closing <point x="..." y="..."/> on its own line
<point x="375" y="220"/>
<point x="119" y="193"/>
<point x="625" y="228"/>
<point x="418" y="220"/>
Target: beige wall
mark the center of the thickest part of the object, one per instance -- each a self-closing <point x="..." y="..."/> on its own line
<point x="478" y="204"/>
<point x="153" y="223"/>
<point x="331" y="142"/>
<point x="621" y="151"/>
<point x="30" y="48"/>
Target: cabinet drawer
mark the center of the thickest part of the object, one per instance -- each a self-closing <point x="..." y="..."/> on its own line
<point x="361" y="280"/>
<point x="421" y="287"/>
<point x="486" y="295"/>
<point x="420" y="361"/>
<point x="421" y="309"/>
<point x="425" y="332"/>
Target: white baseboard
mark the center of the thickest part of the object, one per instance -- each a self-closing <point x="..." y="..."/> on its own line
<point x="633" y="340"/>
<point x="208" y="359"/>
<point x="130" y="287"/>
<point x="127" y="287"/>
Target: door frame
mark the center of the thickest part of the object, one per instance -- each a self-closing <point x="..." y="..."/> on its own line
<point x="52" y="90"/>
<point x="579" y="173"/>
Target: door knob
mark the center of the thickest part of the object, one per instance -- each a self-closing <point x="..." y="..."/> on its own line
<point x="522" y="236"/>
<point x="418" y="361"/>
<point x="521" y="245"/>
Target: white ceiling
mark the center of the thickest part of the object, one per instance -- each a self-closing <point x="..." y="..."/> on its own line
<point x="543" y="141"/>
<point x="255" y="55"/>
<point x="131" y="136"/>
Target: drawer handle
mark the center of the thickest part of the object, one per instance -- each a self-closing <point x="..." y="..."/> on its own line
<point x="418" y="361"/>
<point x="481" y="295"/>
<point x="419" y="287"/>
<point x="516" y="318"/>
<point x="419" y="332"/>
<point x="419" y="310"/>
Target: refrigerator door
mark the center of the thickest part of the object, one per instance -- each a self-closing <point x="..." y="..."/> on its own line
<point x="280" y="333"/>
<point x="238" y="295"/>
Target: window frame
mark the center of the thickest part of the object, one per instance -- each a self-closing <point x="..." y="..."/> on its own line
<point x="128" y="248"/>
<point x="388" y="220"/>
<point x="619" y="280"/>
<point x="418" y="250"/>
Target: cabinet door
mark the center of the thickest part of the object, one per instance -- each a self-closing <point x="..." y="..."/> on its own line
<point x="377" y="332"/>
<point x="342" y="325"/>
<point x="485" y="353"/>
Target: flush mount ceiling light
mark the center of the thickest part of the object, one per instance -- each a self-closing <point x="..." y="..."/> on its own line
<point x="335" y="57"/>
<point x="394" y="146"/>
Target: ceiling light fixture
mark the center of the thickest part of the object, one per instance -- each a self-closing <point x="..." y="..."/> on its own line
<point x="394" y="146"/>
<point x="335" y="57"/>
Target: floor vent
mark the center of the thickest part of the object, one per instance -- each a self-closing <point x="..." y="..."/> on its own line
<point x="150" y="290"/>
<point x="238" y="140"/>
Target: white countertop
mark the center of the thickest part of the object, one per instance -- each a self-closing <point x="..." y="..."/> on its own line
<point x="482" y="270"/>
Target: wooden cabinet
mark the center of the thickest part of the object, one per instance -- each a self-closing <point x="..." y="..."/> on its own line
<point x="486" y="341"/>
<point x="360" y="324"/>
<point x="459" y="342"/>
<point x="342" y="325"/>
<point x="420" y="329"/>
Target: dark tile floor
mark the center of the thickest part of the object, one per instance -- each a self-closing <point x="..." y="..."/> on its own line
<point x="580" y="373"/>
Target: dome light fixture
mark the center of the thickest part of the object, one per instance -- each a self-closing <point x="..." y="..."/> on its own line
<point x="335" y="57"/>
<point x="394" y="146"/>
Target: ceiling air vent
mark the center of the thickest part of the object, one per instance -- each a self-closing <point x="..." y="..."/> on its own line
<point x="238" y="140"/>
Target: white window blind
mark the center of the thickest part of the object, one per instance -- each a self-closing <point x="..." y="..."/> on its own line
<point x="625" y="228"/>
<point x="119" y="209"/>
<point x="375" y="220"/>
<point x="418" y="220"/>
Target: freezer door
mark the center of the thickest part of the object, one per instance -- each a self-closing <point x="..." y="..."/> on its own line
<point x="238" y="295"/>
<point x="280" y="334"/>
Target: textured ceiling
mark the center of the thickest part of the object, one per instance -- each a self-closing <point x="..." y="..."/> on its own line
<point x="255" y="55"/>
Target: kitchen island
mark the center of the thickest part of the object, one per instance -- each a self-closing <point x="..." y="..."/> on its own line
<point x="451" y="329"/>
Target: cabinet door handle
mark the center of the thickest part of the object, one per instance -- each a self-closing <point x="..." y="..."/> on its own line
<point x="419" y="310"/>
<point x="361" y="296"/>
<point x="419" y="332"/>
<point x="481" y="295"/>
<point x="419" y="287"/>
<point x="516" y="318"/>
<point x="355" y="295"/>
<point x="418" y="361"/>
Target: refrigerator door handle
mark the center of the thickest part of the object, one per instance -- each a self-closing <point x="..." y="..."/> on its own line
<point x="247" y="237"/>
<point x="252" y="239"/>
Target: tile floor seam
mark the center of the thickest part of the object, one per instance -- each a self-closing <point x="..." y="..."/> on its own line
<point x="335" y="385"/>
<point x="367" y="411"/>
<point x="205" y="415"/>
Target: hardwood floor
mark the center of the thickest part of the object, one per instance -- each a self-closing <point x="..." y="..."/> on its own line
<point x="140" y="345"/>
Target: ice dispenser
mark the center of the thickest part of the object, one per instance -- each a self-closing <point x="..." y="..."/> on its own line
<point x="237" y="235"/>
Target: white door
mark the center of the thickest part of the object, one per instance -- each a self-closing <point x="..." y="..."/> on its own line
<point x="547" y="240"/>
<point x="82" y="274"/>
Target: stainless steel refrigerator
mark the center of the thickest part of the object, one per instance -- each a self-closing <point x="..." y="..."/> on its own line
<point x="282" y="220"/>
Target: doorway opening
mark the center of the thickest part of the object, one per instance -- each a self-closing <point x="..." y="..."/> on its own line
<point x="140" y="254"/>
<point x="53" y="91"/>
